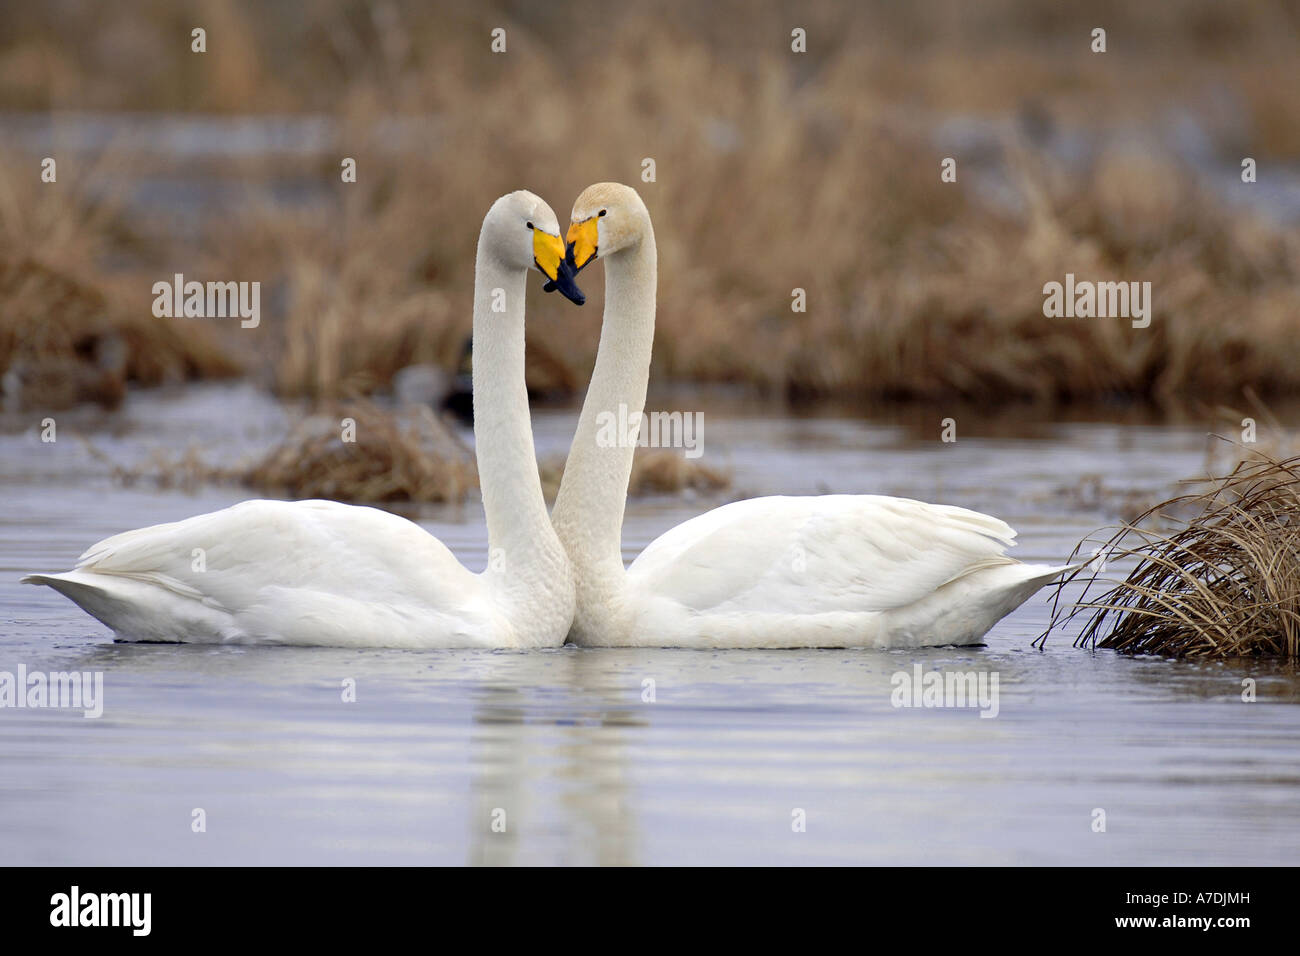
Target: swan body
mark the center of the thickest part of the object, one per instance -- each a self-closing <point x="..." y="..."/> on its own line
<point x="833" y="570"/>
<point x="324" y="573"/>
<point x="341" y="575"/>
<point x="816" y="571"/>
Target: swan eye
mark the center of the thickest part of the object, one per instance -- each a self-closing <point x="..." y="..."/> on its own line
<point x="529" y="225"/>
<point x="603" y="211"/>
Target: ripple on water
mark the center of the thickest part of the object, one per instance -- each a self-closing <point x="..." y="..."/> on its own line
<point x="715" y="769"/>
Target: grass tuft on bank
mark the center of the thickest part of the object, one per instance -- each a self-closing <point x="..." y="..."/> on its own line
<point x="1217" y="573"/>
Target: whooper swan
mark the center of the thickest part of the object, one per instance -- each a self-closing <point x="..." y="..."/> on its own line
<point x="323" y="573"/>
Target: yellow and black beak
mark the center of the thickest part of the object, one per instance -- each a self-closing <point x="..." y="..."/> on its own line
<point x="581" y="241"/>
<point x="548" y="256"/>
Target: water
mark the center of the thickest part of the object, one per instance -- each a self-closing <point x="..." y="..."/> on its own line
<point x="439" y="744"/>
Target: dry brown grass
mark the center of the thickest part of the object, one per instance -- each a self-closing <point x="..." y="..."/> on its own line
<point x="276" y="57"/>
<point x="768" y="179"/>
<point x="963" y="315"/>
<point x="71" y="329"/>
<point x="774" y="171"/>
<point x="1222" y="583"/>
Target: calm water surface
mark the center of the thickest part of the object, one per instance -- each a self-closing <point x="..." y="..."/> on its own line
<point x="585" y="769"/>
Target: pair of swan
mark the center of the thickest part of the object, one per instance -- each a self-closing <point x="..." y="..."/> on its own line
<point x="828" y="571"/>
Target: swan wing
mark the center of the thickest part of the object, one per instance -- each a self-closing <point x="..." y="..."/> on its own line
<point x="818" y="554"/>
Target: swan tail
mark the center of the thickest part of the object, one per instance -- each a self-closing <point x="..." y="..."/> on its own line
<point x="965" y="610"/>
<point x="135" y="610"/>
<point x="1006" y="588"/>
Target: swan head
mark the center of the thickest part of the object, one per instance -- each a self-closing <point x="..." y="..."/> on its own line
<point x="523" y="231"/>
<point x="607" y="218"/>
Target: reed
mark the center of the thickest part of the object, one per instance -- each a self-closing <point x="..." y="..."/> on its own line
<point x="768" y="180"/>
<point x="1217" y="573"/>
<point x="774" y="171"/>
<point x="73" y="329"/>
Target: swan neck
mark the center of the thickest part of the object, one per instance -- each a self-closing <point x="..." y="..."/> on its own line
<point x="589" y="509"/>
<point x="525" y="553"/>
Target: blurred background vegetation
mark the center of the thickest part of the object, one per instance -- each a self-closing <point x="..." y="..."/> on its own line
<point x="774" y="170"/>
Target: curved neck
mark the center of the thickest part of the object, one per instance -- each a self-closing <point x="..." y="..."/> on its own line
<point x="525" y="553"/>
<point x="588" y="512"/>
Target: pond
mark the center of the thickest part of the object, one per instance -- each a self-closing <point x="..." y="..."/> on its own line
<point x="565" y="757"/>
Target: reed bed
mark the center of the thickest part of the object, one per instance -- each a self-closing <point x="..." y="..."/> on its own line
<point x="774" y="171"/>
<point x="915" y="290"/>
<point x="1217" y="574"/>
<point x="72" y="329"/>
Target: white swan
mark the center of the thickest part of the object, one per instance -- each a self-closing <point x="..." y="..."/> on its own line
<point x="323" y="573"/>
<point x="830" y="571"/>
